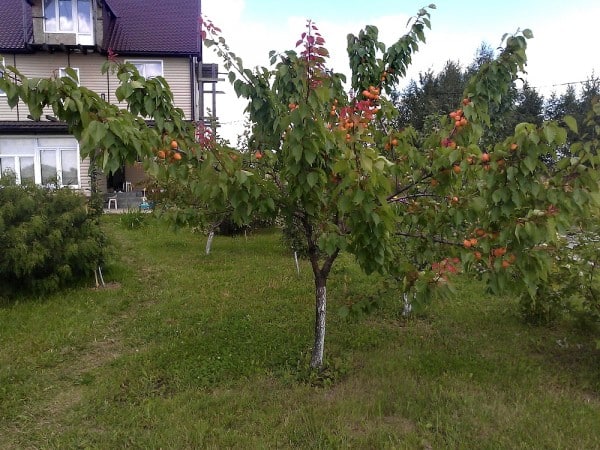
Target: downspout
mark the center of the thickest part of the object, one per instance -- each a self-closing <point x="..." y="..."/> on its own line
<point x="15" y="65"/>
<point x="193" y="88"/>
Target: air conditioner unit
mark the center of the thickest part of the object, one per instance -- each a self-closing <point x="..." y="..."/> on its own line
<point x="209" y="71"/>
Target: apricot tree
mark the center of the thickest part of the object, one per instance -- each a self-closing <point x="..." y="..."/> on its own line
<point x="418" y="208"/>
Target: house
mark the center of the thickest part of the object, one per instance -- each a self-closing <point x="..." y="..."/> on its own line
<point x="42" y="38"/>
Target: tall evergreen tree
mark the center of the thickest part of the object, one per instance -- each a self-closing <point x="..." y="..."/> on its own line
<point x="432" y="94"/>
<point x="580" y="107"/>
<point x="422" y="101"/>
<point x="483" y="55"/>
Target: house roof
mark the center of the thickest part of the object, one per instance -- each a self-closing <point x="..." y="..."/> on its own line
<point x="16" y="25"/>
<point x="152" y="27"/>
<point x="32" y="127"/>
<point x="131" y="27"/>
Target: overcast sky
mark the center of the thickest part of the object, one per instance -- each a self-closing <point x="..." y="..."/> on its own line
<point x="565" y="47"/>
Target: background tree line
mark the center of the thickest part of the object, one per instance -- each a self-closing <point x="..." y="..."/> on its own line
<point x="424" y="99"/>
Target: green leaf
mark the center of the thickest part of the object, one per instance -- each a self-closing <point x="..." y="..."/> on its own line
<point x="359" y="196"/>
<point x="97" y="130"/>
<point x="312" y="178"/>
<point x="310" y="156"/>
<point x="571" y="123"/>
<point x="530" y="162"/>
<point x="528" y="33"/>
<point x="549" y="133"/>
<point x="497" y="196"/>
<point x="366" y="163"/>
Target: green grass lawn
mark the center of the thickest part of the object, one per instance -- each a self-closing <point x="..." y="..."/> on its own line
<point x="184" y="350"/>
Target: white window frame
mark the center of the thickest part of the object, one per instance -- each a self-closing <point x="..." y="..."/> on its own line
<point x="16" y="163"/>
<point x="140" y="64"/>
<point x="56" y="15"/>
<point x="17" y="166"/>
<point x="57" y="164"/>
<point x="85" y="38"/>
<point x="36" y="154"/>
<point x="62" y="72"/>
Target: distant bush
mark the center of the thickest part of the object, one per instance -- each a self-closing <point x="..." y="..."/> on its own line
<point x="293" y="236"/>
<point x="133" y="219"/>
<point x="47" y="238"/>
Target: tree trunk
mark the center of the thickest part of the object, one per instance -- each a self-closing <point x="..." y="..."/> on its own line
<point x="316" y="359"/>
<point x="321" y="274"/>
<point x="211" y="235"/>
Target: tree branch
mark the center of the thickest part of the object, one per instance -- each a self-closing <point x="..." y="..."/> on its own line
<point x="409" y="186"/>
<point x="424" y="237"/>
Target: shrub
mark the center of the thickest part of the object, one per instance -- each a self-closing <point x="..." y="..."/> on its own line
<point x="47" y="239"/>
<point x="133" y="219"/>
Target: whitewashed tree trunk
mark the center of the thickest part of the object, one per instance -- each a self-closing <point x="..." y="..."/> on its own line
<point x="316" y="359"/>
<point x="321" y="273"/>
<point x="211" y="235"/>
<point x="297" y="264"/>
<point x="407" y="308"/>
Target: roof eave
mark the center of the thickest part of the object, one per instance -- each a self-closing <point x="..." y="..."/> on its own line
<point x="155" y="53"/>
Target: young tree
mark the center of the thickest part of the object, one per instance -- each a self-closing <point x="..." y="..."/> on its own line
<point x="416" y="206"/>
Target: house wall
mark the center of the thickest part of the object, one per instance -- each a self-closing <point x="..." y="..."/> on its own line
<point x="176" y="72"/>
<point x="53" y="53"/>
<point x="84" y="168"/>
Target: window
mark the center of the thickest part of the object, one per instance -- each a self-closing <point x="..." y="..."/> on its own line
<point x="149" y="69"/>
<point x="51" y="160"/>
<point x="17" y="160"/>
<point x="62" y="72"/>
<point x="59" y="160"/>
<point x="59" y="15"/>
<point x="70" y="16"/>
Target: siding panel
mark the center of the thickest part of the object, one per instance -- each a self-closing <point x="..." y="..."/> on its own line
<point x="176" y="72"/>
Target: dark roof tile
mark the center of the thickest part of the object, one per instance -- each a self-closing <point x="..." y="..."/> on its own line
<point x="153" y="27"/>
<point x="16" y="29"/>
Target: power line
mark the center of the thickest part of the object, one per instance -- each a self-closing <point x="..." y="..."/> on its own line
<point x="437" y="94"/>
<point x="560" y="84"/>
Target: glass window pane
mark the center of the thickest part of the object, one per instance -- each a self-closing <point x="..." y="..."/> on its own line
<point x="65" y="10"/>
<point x="84" y="16"/>
<point x="7" y="165"/>
<point x="27" y="174"/>
<point x="140" y="67"/>
<point x="48" y="161"/>
<point x="153" y="69"/>
<point x="57" y="142"/>
<point x="7" y="168"/>
<point x="50" y="14"/>
<point x="70" y="176"/>
<point x="148" y="69"/>
<point x="16" y="147"/>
